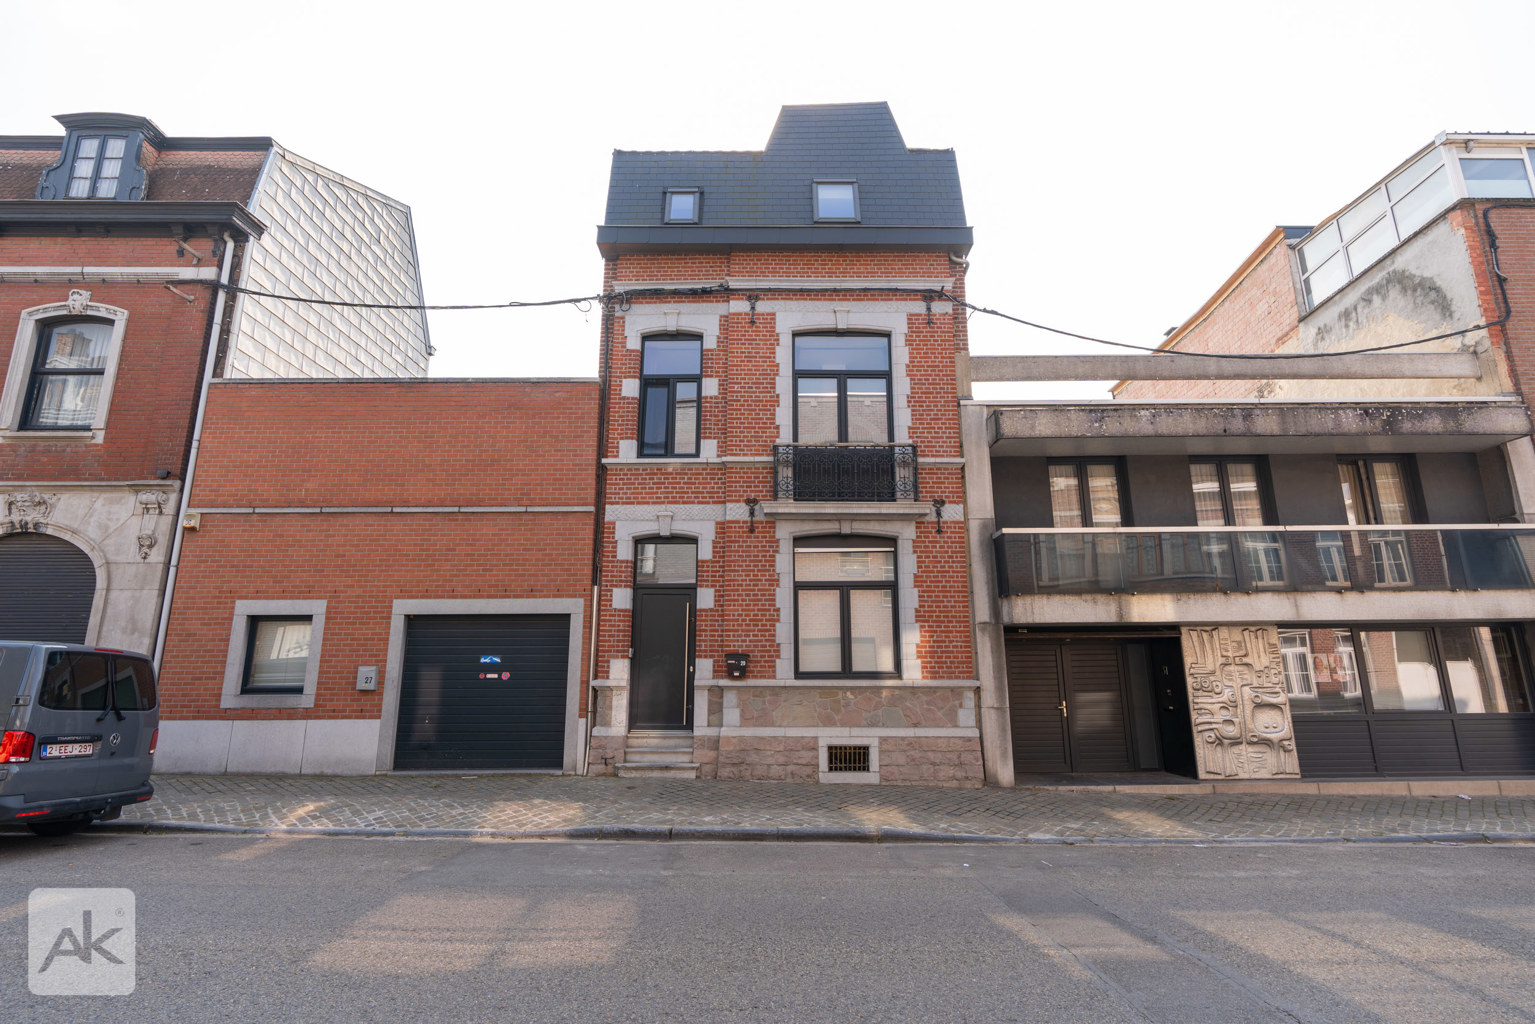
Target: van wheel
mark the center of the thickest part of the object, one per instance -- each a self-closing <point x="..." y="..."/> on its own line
<point x="60" y="827"/>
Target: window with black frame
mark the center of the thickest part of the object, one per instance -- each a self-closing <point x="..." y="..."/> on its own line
<point x="842" y="389"/>
<point x="1230" y="492"/>
<point x="277" y="654"/>
<point x="1377" y="491"/>
<point x="671" y="381"/>
<point x="67" y="372"/>
<point x="845" y="610"/>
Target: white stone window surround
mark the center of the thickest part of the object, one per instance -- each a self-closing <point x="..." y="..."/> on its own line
<point x="403" y="608"/>
<point x="695" y="318"/>
<point x="791" y="318"/>
<point x="239" y="636"/>
<point x="29" y="332"/>
<point x="903" y="533"/>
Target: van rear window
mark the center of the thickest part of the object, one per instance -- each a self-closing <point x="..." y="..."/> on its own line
<point x="135" y="684"/>
<point x="74" y="682"/>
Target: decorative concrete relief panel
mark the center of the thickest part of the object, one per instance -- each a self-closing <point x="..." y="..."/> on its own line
<point x="1242" y="727"/>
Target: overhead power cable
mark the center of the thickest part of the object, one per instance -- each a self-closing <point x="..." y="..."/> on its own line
<point x="621" y="298"/>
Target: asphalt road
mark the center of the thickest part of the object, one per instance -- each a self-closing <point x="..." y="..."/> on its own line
<point x="239" y="928"/>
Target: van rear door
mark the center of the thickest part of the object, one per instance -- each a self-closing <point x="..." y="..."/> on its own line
<point x="70" y="721"/>
<point x="125" y="762"/>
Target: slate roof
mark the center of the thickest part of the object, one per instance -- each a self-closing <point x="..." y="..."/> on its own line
<point x="752" y="196"/>
<point x="218" y="174"/>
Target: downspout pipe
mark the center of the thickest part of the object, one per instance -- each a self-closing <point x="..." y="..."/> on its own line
<point x="210" y="365"/>
<point x="600" y="487"/>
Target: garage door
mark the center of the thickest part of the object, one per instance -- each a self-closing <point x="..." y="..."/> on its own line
<point x="48" y="585"/>
<point x="483" y="692"/>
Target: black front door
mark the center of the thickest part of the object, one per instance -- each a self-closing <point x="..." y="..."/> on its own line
<point x="1067" y="705"/>
<point x="661" y="680"/>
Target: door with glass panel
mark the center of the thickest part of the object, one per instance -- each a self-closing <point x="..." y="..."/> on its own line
<point x="665" y="617"/>
<point x="1229" y="492"/>
<point x="1084" y="495"/>
<point x="1376" y="491"/>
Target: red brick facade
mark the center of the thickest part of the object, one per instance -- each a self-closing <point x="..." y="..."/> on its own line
<point x="768" y="726"/>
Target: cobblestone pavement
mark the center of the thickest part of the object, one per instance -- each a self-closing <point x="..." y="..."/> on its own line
<point x="550" y="805"/>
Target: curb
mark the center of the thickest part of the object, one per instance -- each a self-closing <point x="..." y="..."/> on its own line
<point x="795" y="834"/>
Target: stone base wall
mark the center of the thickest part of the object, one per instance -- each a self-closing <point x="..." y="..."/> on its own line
<point x="931" y="761"/>
<point x="769" y="758"/>
<point x="604" y="753"/>
<point x="893" y="708"/>
<point x="706" y="751"/>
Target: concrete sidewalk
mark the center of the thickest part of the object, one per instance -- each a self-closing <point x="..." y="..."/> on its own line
<point x="553" y="806"/>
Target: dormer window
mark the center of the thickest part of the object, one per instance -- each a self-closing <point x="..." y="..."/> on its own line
<point x="682" y="205"/>
<point x="97" y="165"/>
<point x="835" y="200"/>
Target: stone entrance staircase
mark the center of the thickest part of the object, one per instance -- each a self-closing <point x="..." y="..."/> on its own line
<point x="658" y="754"/>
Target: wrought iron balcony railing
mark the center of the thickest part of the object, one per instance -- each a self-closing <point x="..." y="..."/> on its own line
<point x="845" y="472"/>
<point x="1176" y="560"/>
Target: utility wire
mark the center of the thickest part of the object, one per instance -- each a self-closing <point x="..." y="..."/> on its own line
<point x="621" y="298"/>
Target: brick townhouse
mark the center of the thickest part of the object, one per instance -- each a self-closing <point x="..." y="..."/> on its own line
<point x="1323" y="573"/>
<point x="783" y="591"/>
<point x="114" y="240"/>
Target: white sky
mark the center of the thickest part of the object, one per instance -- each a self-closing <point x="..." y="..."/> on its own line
<point x="1118" y="160"/>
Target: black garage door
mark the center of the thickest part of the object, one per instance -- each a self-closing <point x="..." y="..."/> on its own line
<point x="46" y="589"/>
<point x="483" y="692"/>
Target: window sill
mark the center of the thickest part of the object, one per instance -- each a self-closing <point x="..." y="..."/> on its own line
<point x="93" y="436"/>
<point x="267" y="700"/>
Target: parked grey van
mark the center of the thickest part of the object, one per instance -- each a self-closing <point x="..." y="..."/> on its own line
<point x="79" y="737"/>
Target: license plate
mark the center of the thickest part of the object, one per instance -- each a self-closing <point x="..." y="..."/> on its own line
<point x="68" y="749"/>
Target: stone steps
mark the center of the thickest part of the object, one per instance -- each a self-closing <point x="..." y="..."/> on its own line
<point x="658" y="753"/>
<point x="652" y="770"/>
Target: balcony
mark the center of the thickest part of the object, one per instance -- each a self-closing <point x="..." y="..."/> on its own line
<point x="1200" y="560"/>
<point x="845" y="472"/>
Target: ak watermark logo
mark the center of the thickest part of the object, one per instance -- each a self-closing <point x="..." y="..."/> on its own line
<point x="81" y="942"/>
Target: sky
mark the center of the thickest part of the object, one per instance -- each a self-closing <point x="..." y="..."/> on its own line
<point x="1118" y="160"/>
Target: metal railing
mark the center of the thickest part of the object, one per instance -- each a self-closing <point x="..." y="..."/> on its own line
<point x="845" y="472"/>
<point x="1173" y="560"/>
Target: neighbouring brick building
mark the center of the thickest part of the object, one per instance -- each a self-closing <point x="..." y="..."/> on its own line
<point x="1323" y="575"/>
<point x="114" y="241"/>
<point x="779" y="597"/>
<point x="409" y="530"/>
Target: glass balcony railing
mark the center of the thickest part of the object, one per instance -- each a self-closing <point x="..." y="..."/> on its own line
<point x="1282" y="558"/>
<point x="845" y="472"/>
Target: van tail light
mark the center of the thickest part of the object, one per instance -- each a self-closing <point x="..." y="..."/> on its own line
<point x="154" y="741"/>
<point x="16" y="746"/>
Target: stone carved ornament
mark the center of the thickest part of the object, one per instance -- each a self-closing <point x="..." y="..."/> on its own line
<point x="28" y="511"/>
<point x="79" y="298"/>
<point x="1241" y="713"/>
<point x="151" y="503"/>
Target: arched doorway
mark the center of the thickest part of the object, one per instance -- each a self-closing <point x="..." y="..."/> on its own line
<point x="49" y="587"/>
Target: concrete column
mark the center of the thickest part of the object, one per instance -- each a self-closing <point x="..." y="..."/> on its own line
<point x="1520" y="456"/>
<point x="985" y="602"/>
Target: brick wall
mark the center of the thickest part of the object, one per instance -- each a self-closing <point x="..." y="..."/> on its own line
<point x="154" y="398"/>
<point x="375" y="443"/>
<point x="1514" y="226"/>
<point x="1255" y="311"/>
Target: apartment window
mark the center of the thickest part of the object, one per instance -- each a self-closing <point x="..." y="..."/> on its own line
<point x="1085" y="494"/>
<point x="98" y="163"/>
<point x="845" y="611"/>
<point x="273" y="658"/>
<point x="1229" y="492"/>
<point x="1341" y="249"/>
<point x="1376" y="491"/>
<point x="1295" y="653"/>
<point x="67" y="371"/>
<point x="277" y="655"/>
<point x="1496" y="177"/>
<point x="842" y="389"/>
<point x="682" y="205"/>
<point x="670" y="384"/>
<point x="835" y="200"/>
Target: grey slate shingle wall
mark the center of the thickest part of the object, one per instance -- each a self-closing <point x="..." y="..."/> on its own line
<point x="897" y="186"/>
